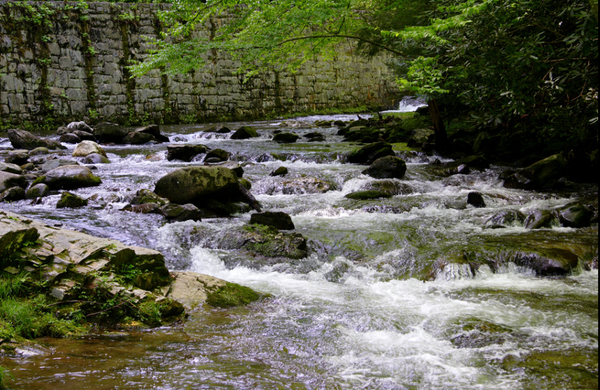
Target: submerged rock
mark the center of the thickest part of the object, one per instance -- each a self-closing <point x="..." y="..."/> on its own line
<point x="281" y="171"/>
<point x="367" y="195"/>
<point x="95" y="158"/>
<point x="505" y="218"/>
<point x="180" y="213"/>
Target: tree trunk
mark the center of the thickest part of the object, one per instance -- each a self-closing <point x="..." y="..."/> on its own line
<point x="441" y="138"/>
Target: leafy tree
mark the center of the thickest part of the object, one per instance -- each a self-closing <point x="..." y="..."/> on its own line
<point x="516" y="65"/>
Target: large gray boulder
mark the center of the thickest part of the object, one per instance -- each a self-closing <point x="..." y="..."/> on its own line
<point x="70" y="177"/>
<point x="194" y="184"/>
<point x="21" y="139"/>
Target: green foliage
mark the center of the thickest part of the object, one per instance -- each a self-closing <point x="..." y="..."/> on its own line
<point x="515" y="65"/>
<point x="4" y="377"/>
<point x="25" y="314"/>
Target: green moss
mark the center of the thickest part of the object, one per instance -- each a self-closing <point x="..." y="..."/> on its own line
<point x="232" y="295"/>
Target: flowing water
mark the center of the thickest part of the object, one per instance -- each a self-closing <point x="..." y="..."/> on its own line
<point x="355" y="314"/>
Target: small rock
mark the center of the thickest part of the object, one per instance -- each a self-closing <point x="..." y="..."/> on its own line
<point x="281" y="171"/>
<point x="37" y="191"/>
<point x="371" y="152"/>
<point x="539" y="219"/>
<point x="184" y="152"/>
<point x="39" y="151"/>
<point x="153" y="130"/>
<point x="286" y="138"/>
<point x="12" y="194"/>
<point x="95" y="158"/>
<point x="69" y="138"/>
<point x="137" y="138"/>
<point x="21" y="139"/>
<point x="85" y="148"/>
<point x="109" y="132"/>
<point x="475" y="199"/>
<point x="245" y="132"/>
<point x="179" y="213"/>
<point x="217" y="155"/>
<point x="79" y="126"/>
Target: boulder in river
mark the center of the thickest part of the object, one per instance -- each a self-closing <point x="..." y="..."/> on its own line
<point x="85" y="148"/>
<point x="12" y="194"/>
<point x="281" y="171"/>
<point x="10" y="168"/>
<point x="95" y="158"/>
<point x="179" y="213"/>
<point x="475" y="199"/>
<point x="195" y="184"/>
<point x="371" y="152"/>
<point x="138" y="138"/>
<point x="109" y="132"/>
<point x="245" y="132"/>
<point x="21" y="139"/>
<point x="37" y="191"/>
<point x="153" y="130"/>
<point x="543" y="174"/>
<point x="184" y="152"/>
<point x="71" y="201"/>
<point x="539" y="219"/>
<point x="286" y="138"/>
<point x="217" y="156"/>
<point x="78" y="126"/>
<point x="9" y="180"/>
<point x="70" y="177"/>
<point x="278" y="220"/>
<point x="264" y="240"/>
<point x="389" y="167"/>
<point x="575" y="215"/>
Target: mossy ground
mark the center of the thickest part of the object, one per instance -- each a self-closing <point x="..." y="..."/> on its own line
<point x="232" y="295"/>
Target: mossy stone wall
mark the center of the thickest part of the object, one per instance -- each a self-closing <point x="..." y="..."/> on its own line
<point x="62" y="61"/>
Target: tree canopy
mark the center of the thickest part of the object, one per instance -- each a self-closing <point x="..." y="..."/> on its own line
<point x="514" y="65"/>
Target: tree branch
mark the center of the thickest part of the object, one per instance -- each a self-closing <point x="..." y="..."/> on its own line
<point x="386" y="48"/>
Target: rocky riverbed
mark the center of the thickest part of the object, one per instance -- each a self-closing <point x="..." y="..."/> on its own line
<point x="386" y="266"/>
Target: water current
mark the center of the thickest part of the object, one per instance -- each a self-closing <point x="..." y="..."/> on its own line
<point x="361" y="312"/>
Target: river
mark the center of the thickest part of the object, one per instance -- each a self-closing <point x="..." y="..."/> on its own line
<point x="360" y="312"/>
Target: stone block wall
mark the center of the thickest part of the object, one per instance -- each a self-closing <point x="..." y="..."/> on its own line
<point x="62" y="61"/>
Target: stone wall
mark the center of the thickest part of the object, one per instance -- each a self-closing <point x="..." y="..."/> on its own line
<point x="64" y="61"/>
